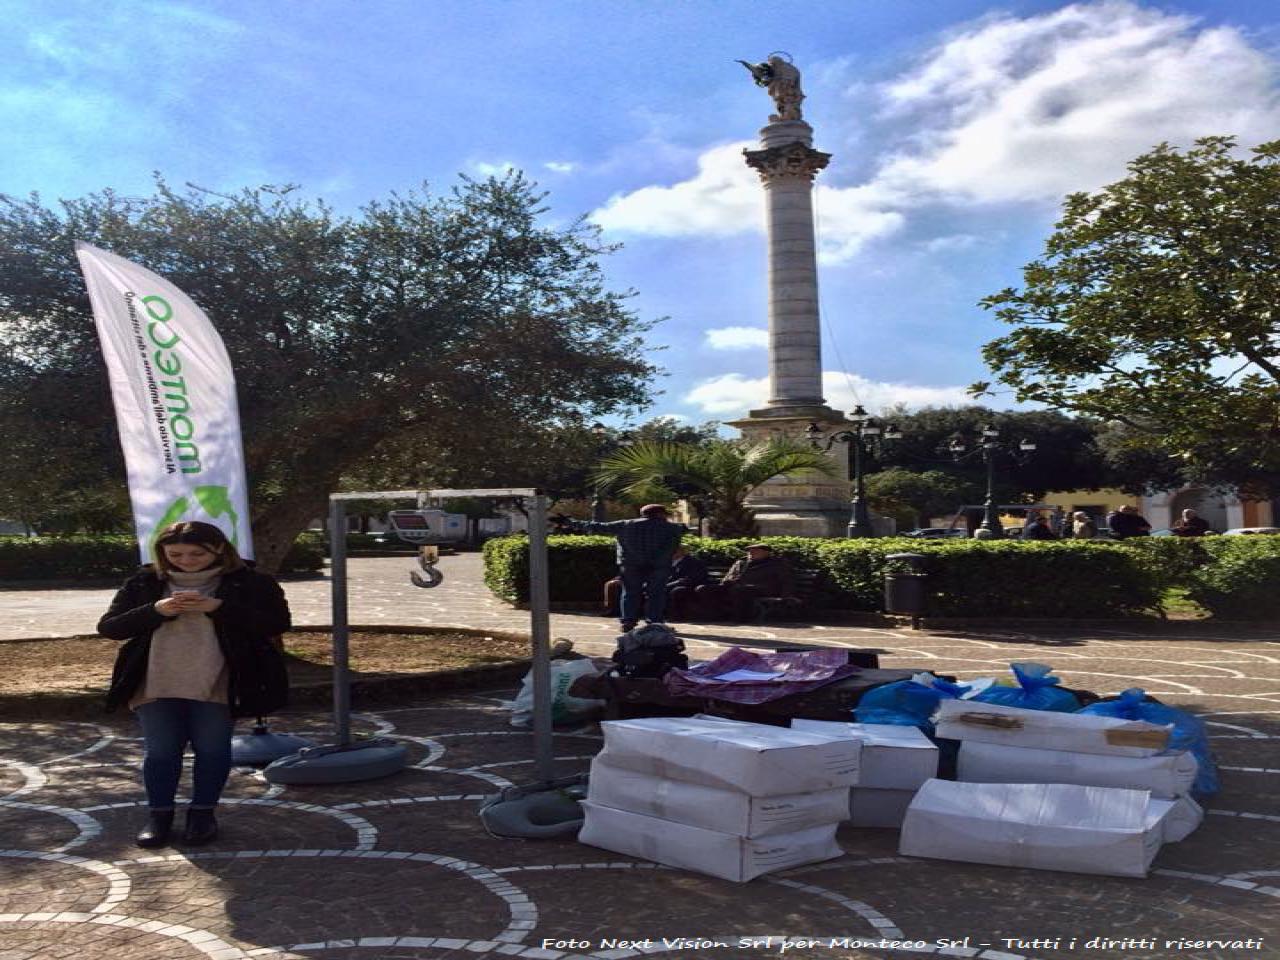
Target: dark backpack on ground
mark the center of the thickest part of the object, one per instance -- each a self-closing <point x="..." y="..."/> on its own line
<point x="649" y="651"/>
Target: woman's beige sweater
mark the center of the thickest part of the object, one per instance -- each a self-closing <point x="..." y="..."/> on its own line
<point x="185" y="660"/>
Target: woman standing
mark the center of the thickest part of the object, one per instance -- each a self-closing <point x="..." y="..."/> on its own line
<point x="199" y="625"/>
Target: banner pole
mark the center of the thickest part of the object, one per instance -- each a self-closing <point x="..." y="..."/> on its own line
<point x="341" y="629"/>
<point x="540" y="632"/>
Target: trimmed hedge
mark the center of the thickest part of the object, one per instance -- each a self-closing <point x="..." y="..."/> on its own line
<point x="1235" y="577"/>
<point x="1241" y="578"/>
<point x="110" y="557"/>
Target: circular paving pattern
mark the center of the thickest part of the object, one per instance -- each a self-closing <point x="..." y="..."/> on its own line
<point x="402" y="868"/>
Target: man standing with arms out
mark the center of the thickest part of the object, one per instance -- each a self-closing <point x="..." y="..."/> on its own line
<point x="645" y="549"/>
<point x="1127" y="522"/>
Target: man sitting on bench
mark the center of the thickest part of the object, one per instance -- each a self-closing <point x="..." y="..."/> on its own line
<point x="761" y="574"/>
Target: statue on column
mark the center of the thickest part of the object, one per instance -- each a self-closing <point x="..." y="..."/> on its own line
<point x="782" y="80"/>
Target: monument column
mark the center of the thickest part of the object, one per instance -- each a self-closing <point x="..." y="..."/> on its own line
<point x="787" y="164"/>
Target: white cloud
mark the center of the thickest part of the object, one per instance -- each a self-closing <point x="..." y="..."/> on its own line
<point x="1027" y="109"/>
<point x="723" y="198"/>
<point x="483" y="168"/>
<point x="559" y="166"/>
<point x="733" y="394"/>
<point x="955" y="241"/>
<point x="737" y="338"/>
<point x="1003" y="110"/>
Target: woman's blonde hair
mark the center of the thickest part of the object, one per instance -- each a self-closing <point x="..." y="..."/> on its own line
<point x="199" y="534"/>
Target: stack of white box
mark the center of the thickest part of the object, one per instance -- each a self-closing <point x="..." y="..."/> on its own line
<point x="733" y="800"/>
<point x="1056" y="791"/>
<point x="896" y="762"/>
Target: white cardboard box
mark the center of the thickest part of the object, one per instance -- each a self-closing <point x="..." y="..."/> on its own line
<point x="1182" y="818"/>
<point x="876" y="807"/>
<point x="1043" y="826"/>
<point x="725" y="811"/>
<point x="894" y="757"/>
<point x="751" y="758"/>
<point x="1166" y="775"/>
<point x="1049" y="730"/>
<point x="704" y="851"/>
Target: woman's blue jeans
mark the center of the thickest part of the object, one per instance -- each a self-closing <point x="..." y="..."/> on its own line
<point x="168" y="725"/>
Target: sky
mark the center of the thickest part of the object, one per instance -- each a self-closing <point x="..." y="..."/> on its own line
<point x="956" y="127"/>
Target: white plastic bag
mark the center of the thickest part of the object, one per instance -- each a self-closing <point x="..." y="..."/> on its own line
<point x="564" y="708"/>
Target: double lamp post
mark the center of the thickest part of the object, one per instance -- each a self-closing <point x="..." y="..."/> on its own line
<point x="866" y="439"/>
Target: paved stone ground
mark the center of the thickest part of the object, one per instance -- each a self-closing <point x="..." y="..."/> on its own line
<point x="401" y="868"/>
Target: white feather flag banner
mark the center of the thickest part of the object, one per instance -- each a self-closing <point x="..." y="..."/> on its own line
<point x="175" y="401"/>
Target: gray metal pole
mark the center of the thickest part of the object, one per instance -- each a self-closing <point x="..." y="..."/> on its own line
<point x="540" y="631"/>
<point x="341" y="631"/>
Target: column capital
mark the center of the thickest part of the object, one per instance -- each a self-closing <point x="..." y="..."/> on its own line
<point x="792" y="160"/>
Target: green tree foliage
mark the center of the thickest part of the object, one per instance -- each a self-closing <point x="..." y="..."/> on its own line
<point x="1066" y="455"/>
<point x="912" y="497"/>
<point x="720" y="472"/>
<point x="450" y="322"/>
<point x="556" y="457"/>
<point x="1155" y="306"/>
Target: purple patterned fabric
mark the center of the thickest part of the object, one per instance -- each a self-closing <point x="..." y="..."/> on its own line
<point x="802" y="671"/>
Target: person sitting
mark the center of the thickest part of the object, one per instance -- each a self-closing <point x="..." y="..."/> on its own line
<point x="760" y="574"/>
<point x="1037" y="528"/>
<point x="1127" y="522"/>
<point x="1191" y="524"/>
<point x="687" y="573"/>
<point x="1082" y="526"/>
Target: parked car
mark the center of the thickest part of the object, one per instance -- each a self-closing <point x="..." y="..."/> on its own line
<point x="1249" y="531"/>
<point x="934" y="533"/>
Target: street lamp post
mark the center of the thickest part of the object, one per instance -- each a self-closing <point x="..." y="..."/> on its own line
<point x="599" y="512"/>
<point x="866" y="433"/>
<point x="989" y="446"/>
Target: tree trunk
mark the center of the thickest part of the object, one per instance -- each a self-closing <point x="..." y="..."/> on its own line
<point x="275" y="530"/>
<point x="732" y="520"/>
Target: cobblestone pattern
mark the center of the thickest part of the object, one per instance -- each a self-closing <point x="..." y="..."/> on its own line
<point x="402" y="868"/>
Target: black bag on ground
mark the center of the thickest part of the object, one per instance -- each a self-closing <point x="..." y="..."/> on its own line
<point x="649" y="651"/>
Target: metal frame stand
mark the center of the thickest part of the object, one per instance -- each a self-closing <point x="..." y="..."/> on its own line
<point x="345" y="761"/>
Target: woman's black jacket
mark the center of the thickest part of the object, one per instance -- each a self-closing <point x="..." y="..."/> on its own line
<point x="253" y="611"/>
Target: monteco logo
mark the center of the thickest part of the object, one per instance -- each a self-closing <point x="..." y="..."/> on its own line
<point x="211" y="503"/>
<point x="169" y="401"/>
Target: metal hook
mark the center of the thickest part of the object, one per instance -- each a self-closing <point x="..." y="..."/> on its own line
<point x="433" y="578"/>
<point x="428" y="555"/>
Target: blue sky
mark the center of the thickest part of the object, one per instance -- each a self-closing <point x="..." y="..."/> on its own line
<point x="956" y="128"/>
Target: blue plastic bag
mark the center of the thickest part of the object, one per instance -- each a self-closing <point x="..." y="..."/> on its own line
<point x="1036" y="690"/>
<point x="1189" y="732"/>
<point x="907" y="703"/>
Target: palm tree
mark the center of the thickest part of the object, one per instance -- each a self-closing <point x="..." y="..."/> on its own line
<point x="721" y="472"/>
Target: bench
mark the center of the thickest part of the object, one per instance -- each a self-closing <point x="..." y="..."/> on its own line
<point x="765" y="608"/>
<point x="806" y="586"/>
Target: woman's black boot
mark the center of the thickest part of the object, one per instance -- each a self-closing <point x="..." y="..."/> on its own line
<point x="201" y="827"/>
<point x="156" y="831"/>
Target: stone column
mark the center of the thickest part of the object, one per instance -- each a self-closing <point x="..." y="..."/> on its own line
<point x="787" y="164"/>
<point x="802" y="505"/>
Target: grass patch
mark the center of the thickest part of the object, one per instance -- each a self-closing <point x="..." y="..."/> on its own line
<point x="1179" y="606"/>
<point x="66" y="677"/>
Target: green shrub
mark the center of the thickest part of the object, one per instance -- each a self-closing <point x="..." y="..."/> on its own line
<point x="306" y="555"/>
<point x="1242" y="578"/>
<point x="110" y="557"/>
<point x="67" y="558"/>
<point x="579" y="565"/>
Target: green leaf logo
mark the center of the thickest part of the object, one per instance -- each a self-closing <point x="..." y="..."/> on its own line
<point x="212" y="502"/>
